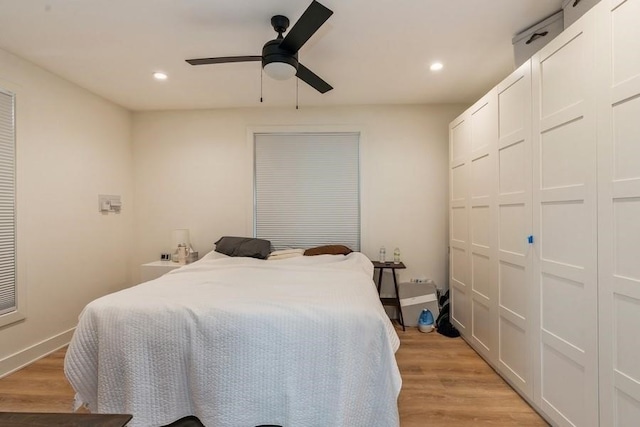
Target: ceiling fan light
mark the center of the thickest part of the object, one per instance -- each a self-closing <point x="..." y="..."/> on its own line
<point x="280" y="70"/>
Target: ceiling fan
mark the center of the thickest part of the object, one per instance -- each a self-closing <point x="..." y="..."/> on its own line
<point x="280" y="55"/>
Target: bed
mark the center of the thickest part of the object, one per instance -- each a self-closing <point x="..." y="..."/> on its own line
<point x="240" y="342"/>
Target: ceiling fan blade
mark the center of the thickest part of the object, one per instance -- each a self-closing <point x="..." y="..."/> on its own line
<point x="312" y="19"/>
<point x="224" y="59"/>
<point x="310" y="78"/>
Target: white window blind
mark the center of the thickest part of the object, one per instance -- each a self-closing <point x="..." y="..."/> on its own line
<point x="7" y="204"/>
<point x="307" y="189"/>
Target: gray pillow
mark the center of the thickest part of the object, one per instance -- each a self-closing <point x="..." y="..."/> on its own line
<point x="244" y="246"/>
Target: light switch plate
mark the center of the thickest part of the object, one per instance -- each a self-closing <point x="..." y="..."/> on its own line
<point x="109" y="203"/>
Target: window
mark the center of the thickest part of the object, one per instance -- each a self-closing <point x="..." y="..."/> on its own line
<point x="8" y="303"/>
<point x="307" y="189"/>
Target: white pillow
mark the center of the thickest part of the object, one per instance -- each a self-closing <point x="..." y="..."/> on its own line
<point x="285" y="253"/>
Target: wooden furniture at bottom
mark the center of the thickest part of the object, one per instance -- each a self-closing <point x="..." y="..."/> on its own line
<point x="35" y="419"/>
<point x="393" y="301"/>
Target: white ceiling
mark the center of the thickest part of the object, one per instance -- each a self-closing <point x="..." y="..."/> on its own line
<point x="370" y="51"/>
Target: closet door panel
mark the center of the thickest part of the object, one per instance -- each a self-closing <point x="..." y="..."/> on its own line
<point x="513" y="159"/>
<point x="459" y="183"/>
<point x="481" y="275"/>
<point x="565" y="224"/>
<point x="561" y="149"/>
<point x="483" y="128"/>
<point x="625" y="62"/>
<point x="480" y="231"/>
<point x="626" y="330"/>
<point x="481" y="178"/>
<point x="459" y="224"/>
<point x="513" y="339"/>
<point x="619" y="213"/>
<point x="460" y="143"/>
<point x="483" y="296"/>
<point x="559" y="320"/>
<point x="561" y="373"/>
<point x="460" y="308"/>
<point x="626" y="237"/>
<point x="481" y="313"/>
<point x="514" y="261"/>
<point x="513" y="293"/>
<point x="459" y="265"/>
<point x="459" y="154"/>
<point x="565" y="233"/>
<point x="627" y="128"/>
<point x="562" y="66"/>
<point x="627" y="410"/>
<point x="514" y="227"/>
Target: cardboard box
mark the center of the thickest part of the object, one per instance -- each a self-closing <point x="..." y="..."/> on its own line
<point x="528" y="42"/>
<point x="414" y="297"/>
<point x="574" y="9"/>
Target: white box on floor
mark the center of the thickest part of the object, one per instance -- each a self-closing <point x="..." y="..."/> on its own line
<point x="414" y="297"/>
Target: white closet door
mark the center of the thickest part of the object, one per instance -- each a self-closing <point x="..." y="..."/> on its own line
<point x="459" y="153"/>
<point x="619" y="215"/>
<point x="514" y="257"/>
<point x="483" y="184"/>
<point x="565" y="226"/>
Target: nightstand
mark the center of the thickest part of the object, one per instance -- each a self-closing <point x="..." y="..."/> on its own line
<point x="155" y="269"/>
<point x="394" y="301"/>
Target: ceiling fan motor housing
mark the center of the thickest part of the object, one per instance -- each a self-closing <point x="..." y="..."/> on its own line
<point x="271" y="52"/>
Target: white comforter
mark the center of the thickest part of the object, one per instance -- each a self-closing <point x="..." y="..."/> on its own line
<point x="240" y="342"/>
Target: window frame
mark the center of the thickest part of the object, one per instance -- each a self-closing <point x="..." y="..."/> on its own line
<point x="253" y="133"/>
<point x="19" y="312"/>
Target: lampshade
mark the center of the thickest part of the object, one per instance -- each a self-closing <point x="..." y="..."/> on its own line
<point x="280" y="70"/>
<point x="181" y="237"/>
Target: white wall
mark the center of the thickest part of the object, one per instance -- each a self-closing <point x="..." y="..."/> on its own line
<point x="71" y="146"/>
<point x="194" y="169"/>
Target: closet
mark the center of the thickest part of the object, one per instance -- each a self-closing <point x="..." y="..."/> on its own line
<point x="545" y="223"/>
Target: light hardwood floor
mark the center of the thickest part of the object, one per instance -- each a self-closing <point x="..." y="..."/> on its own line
<point x="445" y="383"/>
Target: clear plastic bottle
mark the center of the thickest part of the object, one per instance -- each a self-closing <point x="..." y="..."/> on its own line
<point x="383" y="255"/>
<point x="396" y="256"/>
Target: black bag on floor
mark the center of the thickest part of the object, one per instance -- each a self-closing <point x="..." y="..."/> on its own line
<point x="443" y="322"/>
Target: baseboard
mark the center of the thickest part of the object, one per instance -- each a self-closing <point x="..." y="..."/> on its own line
<point x="19" y="360"/>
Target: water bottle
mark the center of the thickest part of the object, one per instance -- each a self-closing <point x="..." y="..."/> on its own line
<point x="383" y="255"/>
<point x="396" y="256"/>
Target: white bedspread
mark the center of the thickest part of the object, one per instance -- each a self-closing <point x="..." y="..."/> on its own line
<point x="240" y="342"/>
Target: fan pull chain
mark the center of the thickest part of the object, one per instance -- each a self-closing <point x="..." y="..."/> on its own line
<point x="261" y="73"/>
<point x="296" y="93"/>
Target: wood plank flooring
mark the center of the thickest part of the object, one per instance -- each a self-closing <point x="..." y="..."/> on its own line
<point x="445" y="383"/>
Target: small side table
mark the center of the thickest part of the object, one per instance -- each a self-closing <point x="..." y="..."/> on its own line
<point x="394" y="301"/>
<point x="155" y="269"/>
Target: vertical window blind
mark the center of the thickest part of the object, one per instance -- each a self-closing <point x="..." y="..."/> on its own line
<point x="7" y="204"/>
<point x="307" y="189"/>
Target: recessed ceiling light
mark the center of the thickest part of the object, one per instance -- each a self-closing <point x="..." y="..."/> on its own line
<point x="436" y="66"/>
<point x="158" y="75"/>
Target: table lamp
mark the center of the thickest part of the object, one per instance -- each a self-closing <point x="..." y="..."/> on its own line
<point x="183" y="253"/>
